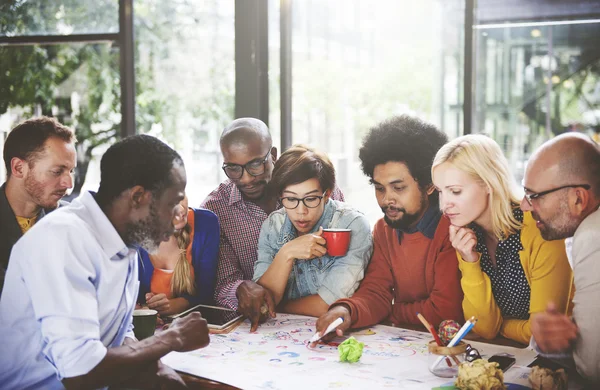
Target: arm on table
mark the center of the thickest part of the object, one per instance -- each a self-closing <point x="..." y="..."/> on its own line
<point x="156" y="375"/>
<point x="122" y="363"/>
<point x="372" y="302"/>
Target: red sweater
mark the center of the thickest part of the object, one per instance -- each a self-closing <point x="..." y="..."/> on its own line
<point x="417" y="274"/>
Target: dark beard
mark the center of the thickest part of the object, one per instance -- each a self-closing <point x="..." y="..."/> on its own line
<point x="409" y="219"/>
<point x="403" y="223"/>
<point x="146" y="232"/>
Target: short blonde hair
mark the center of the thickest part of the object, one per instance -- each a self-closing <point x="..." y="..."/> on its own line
<point x="481" y="158"/>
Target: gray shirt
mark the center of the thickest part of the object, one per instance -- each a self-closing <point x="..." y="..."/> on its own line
<point x="586" y="312"/>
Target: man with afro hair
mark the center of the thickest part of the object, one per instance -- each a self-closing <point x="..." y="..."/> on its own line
<point x="414" y="268"/>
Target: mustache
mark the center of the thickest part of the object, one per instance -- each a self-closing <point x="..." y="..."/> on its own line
<point x="258" y="183"/>
<point x="386" y="208"/>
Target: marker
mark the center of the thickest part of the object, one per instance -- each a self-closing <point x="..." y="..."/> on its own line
<point x="435" y="337"/>
<point x="329" y="329"/>
<point x="456" y="339"/>
<point x="463" y="331"/>
<point x="431" y="329"/>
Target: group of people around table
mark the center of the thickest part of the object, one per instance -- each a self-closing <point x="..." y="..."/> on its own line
<point x="456" y="240"/>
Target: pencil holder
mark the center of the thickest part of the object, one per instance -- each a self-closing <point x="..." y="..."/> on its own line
<point x="444" y="361"/>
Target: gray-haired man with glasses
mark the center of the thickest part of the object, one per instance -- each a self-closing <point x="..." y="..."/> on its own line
<point x="562" y="191"/>
<point x="242" y="203"/>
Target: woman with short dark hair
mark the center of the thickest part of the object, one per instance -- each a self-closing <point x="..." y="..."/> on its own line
<point x="292" y="255"/>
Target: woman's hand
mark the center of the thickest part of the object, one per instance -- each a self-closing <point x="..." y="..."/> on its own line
<point x="158" y="302"/>
<point x="165" y="306"/>
<point x="464" y="241"/>
<point x="306" y="247"/>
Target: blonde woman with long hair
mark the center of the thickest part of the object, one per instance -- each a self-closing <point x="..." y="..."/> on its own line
<point x="182" y="273"/>
<point x="509" y="272"/>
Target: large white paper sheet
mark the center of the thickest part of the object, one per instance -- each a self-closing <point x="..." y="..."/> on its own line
<point x="276" y="357"/>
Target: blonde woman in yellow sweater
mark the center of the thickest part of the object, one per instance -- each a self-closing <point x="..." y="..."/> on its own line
<point x="509" y="272"/>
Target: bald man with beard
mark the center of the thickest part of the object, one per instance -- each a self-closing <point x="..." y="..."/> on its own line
<point x="562" y="191"/>
<point x="242" y="204"/>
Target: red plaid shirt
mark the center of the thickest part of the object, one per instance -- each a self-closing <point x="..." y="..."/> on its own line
<point x="240" y="222"/>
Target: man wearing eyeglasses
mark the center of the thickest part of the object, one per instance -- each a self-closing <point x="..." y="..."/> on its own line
<point x="562" y="191"/>
<point x="242" y="204"/>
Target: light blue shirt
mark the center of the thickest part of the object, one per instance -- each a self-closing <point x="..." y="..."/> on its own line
<point x="332" y="278"/>
<point x="69" y="294"/>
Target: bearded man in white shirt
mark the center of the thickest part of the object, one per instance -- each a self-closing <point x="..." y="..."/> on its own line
<point x="72" y="281"/>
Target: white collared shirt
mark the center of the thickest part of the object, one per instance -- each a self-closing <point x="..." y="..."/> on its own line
<point x="69" y="294"/>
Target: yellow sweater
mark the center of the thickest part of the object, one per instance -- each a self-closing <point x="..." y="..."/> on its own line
<point x="550" y="279"/>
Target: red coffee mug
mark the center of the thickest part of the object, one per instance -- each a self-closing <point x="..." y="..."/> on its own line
<point x="338" y="241"/>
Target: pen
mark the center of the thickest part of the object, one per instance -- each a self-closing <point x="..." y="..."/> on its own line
<point x="430" y="328"/>
<point x="330" y="328"/>
<point x="435" y="337"/>
<point x="463" y="331"/>
<point x="459" y="336"/>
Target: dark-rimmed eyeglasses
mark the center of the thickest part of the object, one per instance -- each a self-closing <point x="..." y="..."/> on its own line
<point x="535" y="195"/>
<point x="471" y="354"/>
<point x="254" y="168"/>
<point x="310" y="201"/>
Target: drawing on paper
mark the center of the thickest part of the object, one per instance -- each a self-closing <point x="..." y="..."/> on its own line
<point x="277" y="357"/>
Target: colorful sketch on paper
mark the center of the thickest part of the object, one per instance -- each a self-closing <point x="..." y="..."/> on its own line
<point x="277" y="357"/>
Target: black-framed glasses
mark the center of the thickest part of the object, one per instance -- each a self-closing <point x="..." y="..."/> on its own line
<point x="471" y="354"/>
<point x="535" y="195"/>
<point x="310" y="201"/>
<point x="255" y="167"/>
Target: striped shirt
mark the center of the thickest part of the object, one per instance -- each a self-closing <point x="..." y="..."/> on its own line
<point x="241" y="221"/>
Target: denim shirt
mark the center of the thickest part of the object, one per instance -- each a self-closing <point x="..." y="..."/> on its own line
<point x="332" y="278"/>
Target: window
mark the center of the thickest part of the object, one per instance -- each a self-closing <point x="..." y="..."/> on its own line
<point x="76" y="83"/>
<point x="185" y="80"/>
<point x="534" y="81"/>
<point x="356" y="63"/>
<point x="58" y="17"/>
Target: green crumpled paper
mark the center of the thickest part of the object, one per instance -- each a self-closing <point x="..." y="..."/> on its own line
<point x="350" y="350"/>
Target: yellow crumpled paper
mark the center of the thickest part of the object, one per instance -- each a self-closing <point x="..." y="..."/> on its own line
<point x="480" y="375"/>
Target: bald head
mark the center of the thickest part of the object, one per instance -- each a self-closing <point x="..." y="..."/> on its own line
<point x="247" y="147"/>
<point x="245" y="131"/>
<point x="570" y="158"/>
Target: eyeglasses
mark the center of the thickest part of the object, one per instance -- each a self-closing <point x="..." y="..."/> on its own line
<point x="310" y="201"/>
<point x="254" y="168"/>
<point x="535" y="195"/>
<point x="471" y="354"/>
